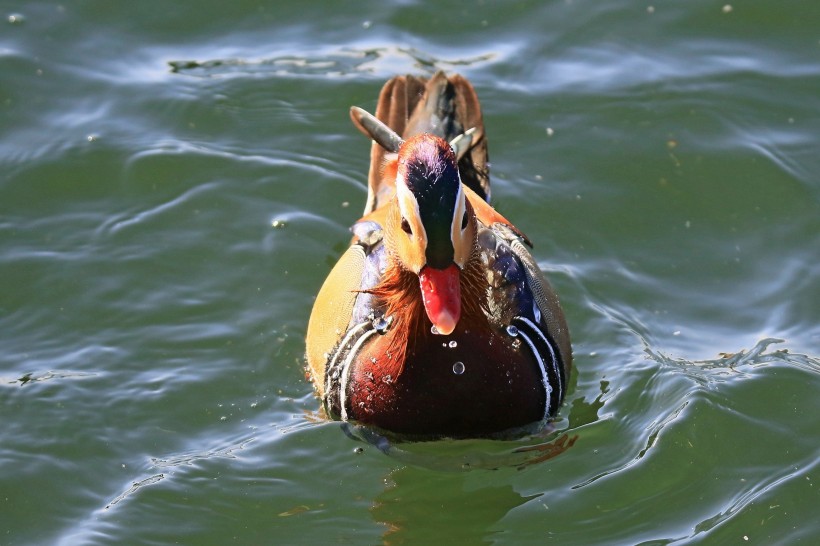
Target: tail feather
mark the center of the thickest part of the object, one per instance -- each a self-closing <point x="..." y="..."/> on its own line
<point x="435" y="110"/>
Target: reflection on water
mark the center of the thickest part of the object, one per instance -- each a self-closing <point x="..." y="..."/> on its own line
<point x="404" y="508"/>
<point x="467" y="455"/>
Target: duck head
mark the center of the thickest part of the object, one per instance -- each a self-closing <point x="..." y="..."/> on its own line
<point x="432" y="230"/>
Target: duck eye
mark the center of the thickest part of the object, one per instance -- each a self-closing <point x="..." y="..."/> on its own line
<point x="464" y="221"/>
<point x="405" y="226"/>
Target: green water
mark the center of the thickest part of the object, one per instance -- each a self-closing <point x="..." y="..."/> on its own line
<point x="176" y="180"/>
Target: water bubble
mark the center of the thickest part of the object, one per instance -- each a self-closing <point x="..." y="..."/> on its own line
<point x="380" y="324"/>
<point x="458" y="368"/>
<point x="434" y="330"/>
<point x="453" y="344"/>
<point x="512" y="330"/>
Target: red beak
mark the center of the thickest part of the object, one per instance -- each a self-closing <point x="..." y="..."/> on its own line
<point x="441" y="293"/>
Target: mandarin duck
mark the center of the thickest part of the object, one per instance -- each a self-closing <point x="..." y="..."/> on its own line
<point x="436" y="321"/>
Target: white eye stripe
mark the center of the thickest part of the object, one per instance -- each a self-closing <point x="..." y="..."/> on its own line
<point x="405" y="198"/>
<point x="457" y="233"/>
<point x="458" y="214"/>
<point x="409" y="209"/>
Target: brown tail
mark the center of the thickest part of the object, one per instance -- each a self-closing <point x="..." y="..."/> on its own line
<point x="446" y="107"/>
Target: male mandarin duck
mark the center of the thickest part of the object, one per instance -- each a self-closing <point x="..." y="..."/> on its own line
<point x="437" y="321"/>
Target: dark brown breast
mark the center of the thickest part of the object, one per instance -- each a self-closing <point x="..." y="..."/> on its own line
<point x="464" y="384"/>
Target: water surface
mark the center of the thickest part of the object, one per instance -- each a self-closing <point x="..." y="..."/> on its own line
<point x="177" y="180"/>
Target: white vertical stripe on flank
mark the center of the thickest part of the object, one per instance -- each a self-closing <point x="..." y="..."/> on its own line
<point x="544" y="378"/>
<point x="345" y="340"/>
<point x="540" y="334"/>
<point x="346" y="370"/>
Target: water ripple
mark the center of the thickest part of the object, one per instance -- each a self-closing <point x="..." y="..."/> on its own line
<point x="34" y="377"/>
<point x="733" y="363"/>
<point x="653" y="431"/>
<point x="135" y="487"/>
<point x="374" y="59"/>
